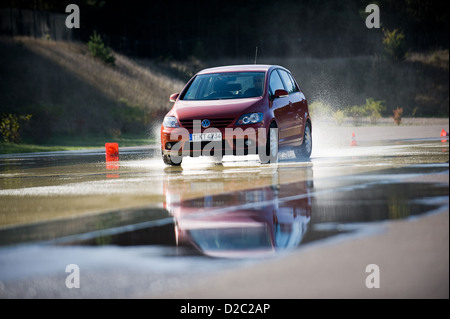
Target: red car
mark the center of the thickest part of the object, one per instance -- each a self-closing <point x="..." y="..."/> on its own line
<point x="237" y="110"/>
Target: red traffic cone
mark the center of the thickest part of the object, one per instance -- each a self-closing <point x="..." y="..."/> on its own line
<point x="353" y="142"/>
<point x="112" y="156"/>
<point x="112" y="151"/>
<point x="444" y="134"/>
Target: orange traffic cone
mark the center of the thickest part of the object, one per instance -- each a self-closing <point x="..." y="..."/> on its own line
<point x="112" y="156"/>
<point x="444" y="134"/>
<point x="353" y="142"/>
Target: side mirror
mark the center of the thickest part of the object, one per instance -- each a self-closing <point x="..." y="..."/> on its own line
<point x="174" y="97"/>
<point x="280" y="93"/>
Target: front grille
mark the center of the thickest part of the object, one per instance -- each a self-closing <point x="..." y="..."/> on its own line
<point x="215" y="123"/>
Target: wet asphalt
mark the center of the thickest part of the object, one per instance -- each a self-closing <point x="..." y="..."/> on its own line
<point x="136" y="228"/>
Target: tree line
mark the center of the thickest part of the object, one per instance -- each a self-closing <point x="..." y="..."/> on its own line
<point x="283" y="28"/>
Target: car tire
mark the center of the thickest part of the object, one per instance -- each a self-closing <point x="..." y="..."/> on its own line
<point x="168" y="160"/>
<point x="304" y="150"/>
<point x="271" y="150"/>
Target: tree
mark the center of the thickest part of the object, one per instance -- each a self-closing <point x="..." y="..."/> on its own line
<point x="394" y="44"/>
<point x="11" y="125"/>
<point x="99" y="50"/>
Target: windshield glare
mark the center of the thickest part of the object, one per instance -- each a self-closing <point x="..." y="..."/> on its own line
<point x="225" y="86"/>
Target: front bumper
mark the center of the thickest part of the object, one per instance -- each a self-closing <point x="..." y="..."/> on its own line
<point x="236" y="140"/>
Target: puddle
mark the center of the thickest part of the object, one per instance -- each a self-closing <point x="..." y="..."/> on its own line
<point x="246" y="224"/>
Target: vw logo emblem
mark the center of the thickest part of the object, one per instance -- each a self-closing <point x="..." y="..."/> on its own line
<point x="206" y="123"/>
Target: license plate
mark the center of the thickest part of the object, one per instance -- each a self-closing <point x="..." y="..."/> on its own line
<point x="205" y="137"/>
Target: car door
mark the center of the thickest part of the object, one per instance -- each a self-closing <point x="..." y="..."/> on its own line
<point x="300" y="106"/>
<point x="295" y="130"/>
<point x="281" y="108"/>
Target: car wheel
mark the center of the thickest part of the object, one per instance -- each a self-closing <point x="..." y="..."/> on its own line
<point x="271" y="152"/>
<point x="304" y="150"/>
<point x="169" y="161"/>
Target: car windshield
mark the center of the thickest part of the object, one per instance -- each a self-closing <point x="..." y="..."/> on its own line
<point x="217" y="86"/>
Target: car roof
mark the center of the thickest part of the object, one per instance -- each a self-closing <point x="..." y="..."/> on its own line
<point x="240" y="68"/>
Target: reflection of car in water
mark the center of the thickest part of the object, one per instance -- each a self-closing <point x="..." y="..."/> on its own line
<point x="244" y="224"/>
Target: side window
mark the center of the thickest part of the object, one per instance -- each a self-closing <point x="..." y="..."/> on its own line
<point x="290" y="86"/>
<point x="296" y="89"/>
<point x="275" y="83"/>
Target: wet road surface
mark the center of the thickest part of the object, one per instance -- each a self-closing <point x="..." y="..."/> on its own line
<point x="138" y="228"/>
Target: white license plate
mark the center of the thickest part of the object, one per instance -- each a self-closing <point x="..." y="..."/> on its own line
<point x="205" y="137"/>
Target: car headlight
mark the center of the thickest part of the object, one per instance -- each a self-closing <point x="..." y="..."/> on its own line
<point x="170" y="121"/>
<point x="250" y="118"/>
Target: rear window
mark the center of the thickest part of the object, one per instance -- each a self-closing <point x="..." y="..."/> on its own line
<point x="218" y="86"/>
